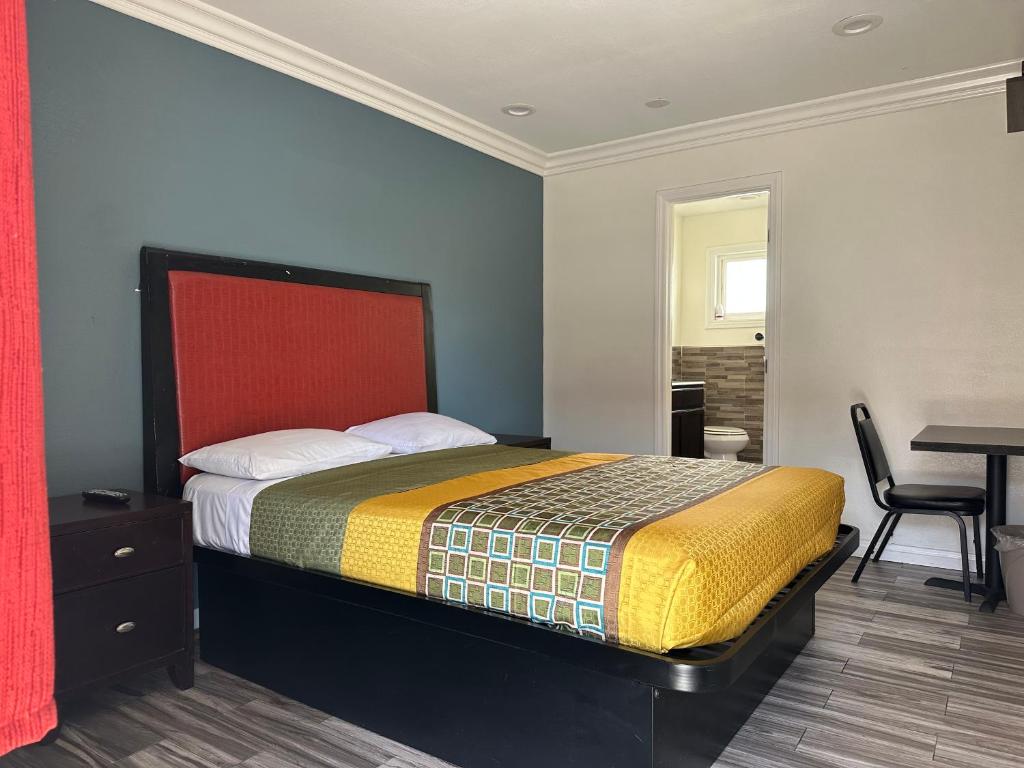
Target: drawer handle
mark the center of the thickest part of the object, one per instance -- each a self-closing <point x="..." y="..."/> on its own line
<point x="124" y="627"/>
<point x="124" y="552"/>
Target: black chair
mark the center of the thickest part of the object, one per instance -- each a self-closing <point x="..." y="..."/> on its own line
<point x="956" y="501"/>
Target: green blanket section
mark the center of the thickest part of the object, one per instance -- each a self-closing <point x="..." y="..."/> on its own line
<point x="302" y="521"/>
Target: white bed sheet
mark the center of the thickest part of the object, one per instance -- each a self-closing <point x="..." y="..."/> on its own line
<point x="222" y="509"/>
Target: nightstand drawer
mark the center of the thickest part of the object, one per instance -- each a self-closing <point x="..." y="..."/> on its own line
<point x="95" y="557"/>
<point x="114" y="627"/>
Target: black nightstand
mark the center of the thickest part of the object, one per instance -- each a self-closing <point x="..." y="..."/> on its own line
<point x="524" y="441"/>
<point x="122" y="583"/>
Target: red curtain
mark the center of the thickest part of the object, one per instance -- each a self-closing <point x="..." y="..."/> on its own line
<point x="27" y="710"/>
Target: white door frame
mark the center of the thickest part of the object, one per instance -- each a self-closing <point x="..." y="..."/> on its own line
<point x="666" y="200"/>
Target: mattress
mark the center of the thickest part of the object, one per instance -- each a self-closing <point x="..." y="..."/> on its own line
<point x="221" y="510"/>
<point x="651" y="552"/>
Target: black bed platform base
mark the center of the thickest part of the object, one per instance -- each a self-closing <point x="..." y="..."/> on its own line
<point x="487" y="691"/>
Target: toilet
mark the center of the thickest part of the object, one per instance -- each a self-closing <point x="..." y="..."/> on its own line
<point x="724" y="442"/>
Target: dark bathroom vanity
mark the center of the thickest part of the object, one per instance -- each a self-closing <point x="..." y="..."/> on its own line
<point x="688" y="419"/>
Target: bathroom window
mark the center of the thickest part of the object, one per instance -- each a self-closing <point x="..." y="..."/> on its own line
<point x="737" y="286"/>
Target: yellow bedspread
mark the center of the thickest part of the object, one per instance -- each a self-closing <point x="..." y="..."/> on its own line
<point x="651" y="552"/>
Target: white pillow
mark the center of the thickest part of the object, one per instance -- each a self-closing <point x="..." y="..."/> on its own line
<point x="419" y="432"/>
<point x="284" y="453"/>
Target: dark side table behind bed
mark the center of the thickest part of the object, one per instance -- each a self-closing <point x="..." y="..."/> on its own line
<point x="524" y="441"/>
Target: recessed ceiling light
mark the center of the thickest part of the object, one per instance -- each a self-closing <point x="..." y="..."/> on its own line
<point x="857" y="25"/>
<point x="657" y="103"/>
<point x="519" y="110"/>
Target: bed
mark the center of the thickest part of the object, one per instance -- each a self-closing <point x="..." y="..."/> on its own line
<point x="641" y="656"/>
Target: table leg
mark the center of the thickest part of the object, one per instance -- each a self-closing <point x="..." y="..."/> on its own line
<point x="995" y="514"/>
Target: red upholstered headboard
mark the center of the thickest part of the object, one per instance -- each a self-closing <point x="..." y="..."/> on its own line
<point x="234" y="348"/>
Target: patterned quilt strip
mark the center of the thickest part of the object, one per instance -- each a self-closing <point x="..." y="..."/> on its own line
<point x="550" y="549"/>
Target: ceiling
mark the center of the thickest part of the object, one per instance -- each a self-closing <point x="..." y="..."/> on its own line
<point x="588" y="66"/>
<point x="739" y="202"/>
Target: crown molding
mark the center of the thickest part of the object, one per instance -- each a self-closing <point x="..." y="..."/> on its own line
<point x="227" y="32"/>
<point x="911" y="94"/>
<point x="202" y="22"/>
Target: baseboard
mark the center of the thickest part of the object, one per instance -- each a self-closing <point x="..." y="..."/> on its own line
<point x="937" y="558"/>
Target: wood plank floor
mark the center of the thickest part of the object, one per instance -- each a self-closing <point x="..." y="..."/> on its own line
<point x="897" y="675"/>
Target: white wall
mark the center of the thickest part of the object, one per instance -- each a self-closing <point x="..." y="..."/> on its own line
<point x="902" y="284"/>
<point x="692" y="238"/>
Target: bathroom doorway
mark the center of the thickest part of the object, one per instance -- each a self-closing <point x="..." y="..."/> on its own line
<point x="717" y="318"/>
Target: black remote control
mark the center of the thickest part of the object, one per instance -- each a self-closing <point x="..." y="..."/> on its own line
<point x="107" y="495"/>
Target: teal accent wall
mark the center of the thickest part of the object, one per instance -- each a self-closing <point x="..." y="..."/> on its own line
<point x="142" y="136"/>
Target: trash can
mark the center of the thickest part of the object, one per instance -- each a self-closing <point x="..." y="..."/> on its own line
<point x="1010" y="543"/>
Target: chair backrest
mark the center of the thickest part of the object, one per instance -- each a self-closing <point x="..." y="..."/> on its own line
<point x="871" y="450"/>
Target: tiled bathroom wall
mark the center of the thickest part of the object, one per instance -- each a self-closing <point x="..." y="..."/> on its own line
<point x="733" y="388"/>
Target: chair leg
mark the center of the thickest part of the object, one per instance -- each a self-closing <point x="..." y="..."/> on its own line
<point x="888" y="535"/>
<point x="977" y="548"/>
<point x="871" y="547"/>
<point x="965" y="561"/>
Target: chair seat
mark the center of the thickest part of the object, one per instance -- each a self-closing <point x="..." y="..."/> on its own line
<point x="955" y="498"/>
